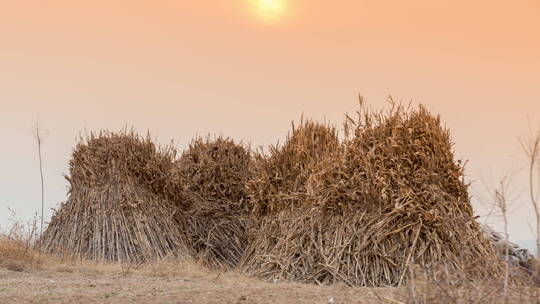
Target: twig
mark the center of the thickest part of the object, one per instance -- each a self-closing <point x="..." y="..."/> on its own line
<point x="39" y="138"/>
<point x="393" y="301"/>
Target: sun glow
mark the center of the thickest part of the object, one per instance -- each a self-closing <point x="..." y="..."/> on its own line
<point x="270" y="5"/>
<point x="270" y="9"/>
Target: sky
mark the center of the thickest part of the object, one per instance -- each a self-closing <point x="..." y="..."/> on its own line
<point x="182" y="68"/>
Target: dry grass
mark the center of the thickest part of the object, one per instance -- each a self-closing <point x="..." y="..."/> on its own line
<point x="17" y="256"/>
<point x="17" y="253"/>
<point x="20" y="256"/>
<point x="213" y="173"/>
<point x="16" y="245"/>
<point x="444" y="286"/>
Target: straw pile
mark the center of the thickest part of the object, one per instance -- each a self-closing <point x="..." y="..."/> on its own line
<point x="279" y="194"/>
<point x="279" y="181"/>
<point x="362" y="213"/>
<point x="120" y="203"/>
<point x="213" y="174"/>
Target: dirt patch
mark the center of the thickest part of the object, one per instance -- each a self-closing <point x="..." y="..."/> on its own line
<point x="148" y="287"/>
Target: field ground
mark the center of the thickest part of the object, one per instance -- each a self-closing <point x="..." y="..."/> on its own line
<point x="29" y="276"/>
<point x="72" y="284"/>
<point x="188" y="283"/>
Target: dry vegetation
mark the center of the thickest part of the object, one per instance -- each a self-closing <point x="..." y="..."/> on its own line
<point x="121" y="202"/>
<point x="16" y="255"/>
<point x="361" y="212"/>
<point x="384" y="206"/>
<point x="43" y="278"/>
<point x="213" y="173"/>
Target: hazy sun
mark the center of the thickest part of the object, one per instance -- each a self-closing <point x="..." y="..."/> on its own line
<point x="270" y="9"/>
<point x="270" y="5"/>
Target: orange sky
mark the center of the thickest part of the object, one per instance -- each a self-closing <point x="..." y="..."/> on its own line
<point x="179" y="68"/>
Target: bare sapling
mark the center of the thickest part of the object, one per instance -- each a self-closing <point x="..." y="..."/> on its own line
<point x="39" y="136"/>
<point x="531" y="148"/>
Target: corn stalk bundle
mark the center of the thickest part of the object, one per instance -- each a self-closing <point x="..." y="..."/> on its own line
<point x="279" y="192"/>
<point x="280" y="177"/>
<point x="213" y="174"/>
<point x="392" y="196"/>
<point x="121" y="201"/>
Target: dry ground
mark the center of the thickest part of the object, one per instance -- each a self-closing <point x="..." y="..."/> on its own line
<point x="98" y="284"/>
<point x="27" y="276"/>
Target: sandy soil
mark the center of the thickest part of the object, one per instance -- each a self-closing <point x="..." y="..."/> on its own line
<point x="67" y="285"/>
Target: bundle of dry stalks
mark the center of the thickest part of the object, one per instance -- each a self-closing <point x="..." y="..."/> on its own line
<point x="213" y="174"/>
<point x="279" y="194"/>
<point x="280" y="177"/>
<point x="389" y="197"/>
<point x="121" y="201"/>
